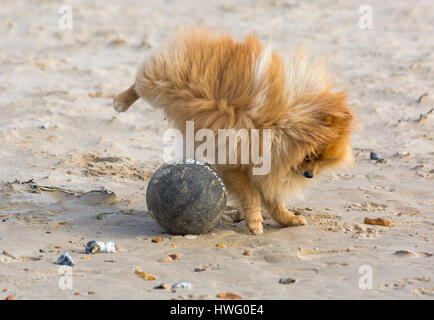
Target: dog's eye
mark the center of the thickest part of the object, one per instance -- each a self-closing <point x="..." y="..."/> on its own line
<point x="307" y="159"/>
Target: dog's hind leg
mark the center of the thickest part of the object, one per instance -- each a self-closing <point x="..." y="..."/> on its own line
<point x="282" y="215"/>
<point x="251" y="208"/>
<point x="248" y="196"/>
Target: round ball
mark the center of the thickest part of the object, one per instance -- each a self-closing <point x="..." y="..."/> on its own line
<point x="186" y="198"/>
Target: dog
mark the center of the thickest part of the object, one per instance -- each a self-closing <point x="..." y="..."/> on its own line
<point x="218" y="82"/>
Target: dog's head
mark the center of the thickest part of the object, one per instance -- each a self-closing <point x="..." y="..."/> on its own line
<point x="331" y="147"/>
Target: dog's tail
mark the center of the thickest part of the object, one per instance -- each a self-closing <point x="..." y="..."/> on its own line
<point x="123" y="101"/>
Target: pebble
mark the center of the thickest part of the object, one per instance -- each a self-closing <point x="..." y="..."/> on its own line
<point x="229" y="296"/>
<point x="10" y="297"/>
<point x="76" y="293"/>
<point x="167" y="259"/>
<point x="220" y="245"/>
<point x="199" y="269"/>
<point x="45" y="125"/>
<point x="85" y="258"/>
<point x="375" y="156"/>
<point x="190" y="236"/>
<point x="402" y="154"/>
<point x="174" y="245"/>
<point x="162" y="286"/>
<point x="5" y="290"/>
<point x="65" y="259"/>
<point x="247" y="253"/>
<point x="286" y="280"/>
<point x="91" y="292"/>
<point x="156" y="240"/>
<point x="174" y="256"/>
<point x="379" y="222"/>
<point x="144" y="275"/>
<point x="182" y="285"/>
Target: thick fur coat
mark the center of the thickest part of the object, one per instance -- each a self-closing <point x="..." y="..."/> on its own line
<point x="221" y="83"/>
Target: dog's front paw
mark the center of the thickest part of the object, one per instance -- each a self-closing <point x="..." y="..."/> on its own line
<point x="297" y="221"/>
<point x="290" y="220"/>
<point x="255" y="227"/>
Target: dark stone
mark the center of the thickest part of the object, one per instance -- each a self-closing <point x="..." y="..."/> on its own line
<point x="286" y="280"/>
<point x="375" y="156"/>
<point x="186" y="198"/>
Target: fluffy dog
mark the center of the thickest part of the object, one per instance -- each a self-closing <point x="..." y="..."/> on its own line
<point x="221" y="83"/>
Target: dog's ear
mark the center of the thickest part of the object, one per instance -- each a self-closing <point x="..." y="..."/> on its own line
<point x="335" y="111"/>
<point x="338" y="117"/>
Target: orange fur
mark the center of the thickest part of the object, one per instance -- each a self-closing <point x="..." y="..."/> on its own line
<point x="222" y="83"/>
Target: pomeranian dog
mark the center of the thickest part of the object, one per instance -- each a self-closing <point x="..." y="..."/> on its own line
<point x="220" y="83"/>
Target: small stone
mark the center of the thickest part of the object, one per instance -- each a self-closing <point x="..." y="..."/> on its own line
<point x="156" y="240"/>
<point x="5" y="290"/>
<point x="286" y="280"/>
<point x="174" y="256"/>
<point x="229" y="296"/>
<point x="65" y="259"/>
<point x="85" y="258"/>
<point x="190" y="236"/>
<point x="91" y="292"/>
<point x="220" y="245"/>
<point x="10" y="297"/>
<point x="375" y="156"/>
<point x="76" y="293"/>
<point x="182" y="285"/>
<point x="167" y="259"/>
<point x="379" y="222"/>
<point x="163" y="286"/>
<point x="199" y="269"/>
<point x="402" y="154"/>
<point x="247" y="253"/>
<point x="45" y="125"/>
<point x="144" y="275"/>
<point x="173" y="244"/>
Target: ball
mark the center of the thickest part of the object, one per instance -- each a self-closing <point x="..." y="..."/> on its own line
<point x="186" y="198"/>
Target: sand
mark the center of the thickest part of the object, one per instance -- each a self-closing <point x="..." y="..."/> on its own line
<point x="58" y="129"/>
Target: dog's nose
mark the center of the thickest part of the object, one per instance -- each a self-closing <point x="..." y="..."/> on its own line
<point x="308" y="174"/>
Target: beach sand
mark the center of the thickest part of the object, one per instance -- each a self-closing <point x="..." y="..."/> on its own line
<point x="72" y="169"/>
